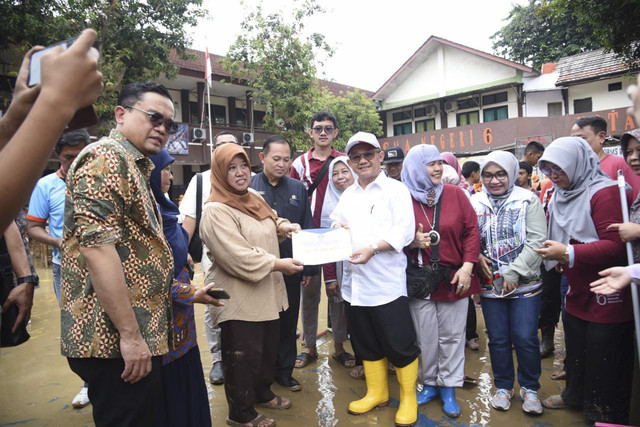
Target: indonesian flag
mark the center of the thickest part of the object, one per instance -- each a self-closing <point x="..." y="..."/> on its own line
<point x="207" y="71"/>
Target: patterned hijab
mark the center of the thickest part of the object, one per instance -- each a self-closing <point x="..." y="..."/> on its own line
<point x="511" y="166"/>
<point x="247" y="201"/>
<point x="415" y="177"/>
<point x="570" y="208"/>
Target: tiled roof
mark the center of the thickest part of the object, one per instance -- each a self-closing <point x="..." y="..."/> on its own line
<point x="198" y="65"/>
<point x="588" y="66"/>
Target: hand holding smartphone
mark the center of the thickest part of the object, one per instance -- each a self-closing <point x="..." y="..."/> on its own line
<point x="218" y="293"/>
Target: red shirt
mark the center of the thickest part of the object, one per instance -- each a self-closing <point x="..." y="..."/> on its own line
<point x="590" y="258"/>
<point x="459" y="238"/>
<point x="610" y="165"/>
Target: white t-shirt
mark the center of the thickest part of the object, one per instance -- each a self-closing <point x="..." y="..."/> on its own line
<point x="188" y="207"/>
<point x="381" y="211"/>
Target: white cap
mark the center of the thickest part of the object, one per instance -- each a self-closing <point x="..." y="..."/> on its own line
<point x="362" y="137"/>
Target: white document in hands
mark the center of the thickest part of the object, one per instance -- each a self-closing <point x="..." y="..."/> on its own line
<point x="321" y="245"/>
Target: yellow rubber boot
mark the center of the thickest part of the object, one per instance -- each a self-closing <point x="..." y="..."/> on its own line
<point x="375" y="374"/>
<point x="407" y="413"/>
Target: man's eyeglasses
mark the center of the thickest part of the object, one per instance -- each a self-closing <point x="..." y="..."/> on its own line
<point x="500" y="176"/>
<point x="158" y="119"/>
<point x="327" y="129"/>
<point x="368" y="155"/>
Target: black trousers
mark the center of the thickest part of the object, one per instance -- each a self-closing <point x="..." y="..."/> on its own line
<point x="550" y="301"/>
<point x="287" y="349"/>
<point x="384" y="331"/>
<point x="249" y="362"/>
<point x="115" y="402"/>
<point x="599" y="367"/>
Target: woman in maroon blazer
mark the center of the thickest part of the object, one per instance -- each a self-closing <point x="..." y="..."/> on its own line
<point x="598" y="328"/>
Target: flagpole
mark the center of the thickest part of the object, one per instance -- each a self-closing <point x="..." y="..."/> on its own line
<point x="208" y="78"/>
<point x="209" y="108"/>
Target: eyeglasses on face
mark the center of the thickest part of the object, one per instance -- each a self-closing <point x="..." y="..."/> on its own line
<point x="327" y="129"/>
<point x="500" y="176"/>
<point x="158" y="119"/>
<point x="551" y="170"/>
<point x="368" y="155"/>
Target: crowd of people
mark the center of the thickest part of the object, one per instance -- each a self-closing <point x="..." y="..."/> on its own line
<point x="426" y="235"/>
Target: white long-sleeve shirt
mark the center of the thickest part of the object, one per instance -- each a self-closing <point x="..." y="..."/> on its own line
<point x="380" y="211"/>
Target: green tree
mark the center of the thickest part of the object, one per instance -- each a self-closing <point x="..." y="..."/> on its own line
<point x="354" y="111"/>
<point x="536" y="33"/>
<point x="614" y="23"/>
<point x="134" y="37"/>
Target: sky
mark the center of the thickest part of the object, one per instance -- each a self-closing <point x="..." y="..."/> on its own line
<point x="371" y="39"/>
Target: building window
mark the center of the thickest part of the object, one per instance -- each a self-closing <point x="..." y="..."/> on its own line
<point x="470" y="118"/>
<point x="401" y="115"/>
<point x="258" y="118"/>
<point x="494" y="98"/>
<point x="497" y="113"/>
<point x="219" y="113"/>
<point x="615" y="86"/>
<point x="402" y="129"/>
<point x="582" y="105"/>
<point x="425" y="125"/>
<point x="420" y="112"/>
<point x="241" y="117"/>
<point x="554" y="109"/>
<point x="467" y="103"/>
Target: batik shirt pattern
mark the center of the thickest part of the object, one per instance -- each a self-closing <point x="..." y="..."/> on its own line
<point x="108" y="201"/>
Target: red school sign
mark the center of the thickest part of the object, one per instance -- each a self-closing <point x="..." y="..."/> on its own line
<point x="505" y="133"/>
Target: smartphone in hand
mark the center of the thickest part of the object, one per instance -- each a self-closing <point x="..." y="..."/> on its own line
<point x="218" y="293"/>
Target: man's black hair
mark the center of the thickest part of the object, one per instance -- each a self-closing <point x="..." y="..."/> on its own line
<point x="73" y="138"/>
<point x="526" y="166"/>
<point x="469" y="167"/>
<point x="534" y="147"/>
<point x="274" y="139"/>
<point x="133" y="92"/>
<point x="321" y="116"/>
<point x="219" y="134"/>
<point x="598" y="124"/>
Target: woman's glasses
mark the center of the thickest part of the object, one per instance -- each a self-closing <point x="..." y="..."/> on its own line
<point x="500" y="176"/>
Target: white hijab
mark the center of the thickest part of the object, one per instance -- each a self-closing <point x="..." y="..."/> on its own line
<point x="332" y="194"/>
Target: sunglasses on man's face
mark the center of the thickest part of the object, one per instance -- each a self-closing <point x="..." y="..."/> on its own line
<point x="368" y="155"/>
<point x="158" y="119"/>
<point x="327" y="129"/>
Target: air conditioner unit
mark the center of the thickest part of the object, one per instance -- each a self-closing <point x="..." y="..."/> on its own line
<point x="247" y="138"/>
<point x="450" y="106"/>
<point x="198" y="134"/>
<point x="430" y="110"/>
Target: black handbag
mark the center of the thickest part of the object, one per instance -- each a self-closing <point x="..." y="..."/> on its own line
<point x="9" y="317"/>
<point x="424" y="280"/>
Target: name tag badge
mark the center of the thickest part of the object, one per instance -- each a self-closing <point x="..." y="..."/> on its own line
<point x="294" y="200"/>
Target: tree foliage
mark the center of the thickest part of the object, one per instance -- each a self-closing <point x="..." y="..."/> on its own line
<point x="537" y="33"/>
<point x="134" y="37"/>
<point x="614" y="23"/>
<point x="279" y="62"/>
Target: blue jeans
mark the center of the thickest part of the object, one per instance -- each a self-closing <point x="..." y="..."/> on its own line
<point x="56" y="280"/>
<point x="513" y="321"/>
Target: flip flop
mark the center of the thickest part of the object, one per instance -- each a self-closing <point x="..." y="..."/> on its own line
<point x="303" y="359"/>
<point x="558" y="375"/>
<point x="554" y="402"/>
<point x="256" y="422"/>
<point x="345" y="359"/>
<point x="357" y="373"/>
<point x="281" y="403"/>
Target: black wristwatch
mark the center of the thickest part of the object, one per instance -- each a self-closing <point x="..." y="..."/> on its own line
<point x="28" y="279"/>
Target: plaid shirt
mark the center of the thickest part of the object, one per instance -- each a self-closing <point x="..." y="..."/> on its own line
<point x="109" y="202"/>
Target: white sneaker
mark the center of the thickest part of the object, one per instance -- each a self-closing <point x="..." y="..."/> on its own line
<point x="82" y="398"/>
<point x="502" y="399"/>
<point x="531" y="404"/>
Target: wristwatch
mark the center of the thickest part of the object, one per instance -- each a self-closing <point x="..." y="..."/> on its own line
<point x="376" y="251"/>
<point x="27" y="279"/>
<point x="566" y="257"/>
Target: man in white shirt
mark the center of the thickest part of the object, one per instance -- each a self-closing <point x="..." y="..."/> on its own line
<point x="379" y="214"/>
<point x="188" y="209"/>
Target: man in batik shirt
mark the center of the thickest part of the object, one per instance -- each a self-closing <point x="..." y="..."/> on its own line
<point x="116" y="264"/>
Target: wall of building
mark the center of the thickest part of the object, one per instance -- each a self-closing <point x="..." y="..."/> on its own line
<point x="601" y="98"/>
<point x="536" y="103"/>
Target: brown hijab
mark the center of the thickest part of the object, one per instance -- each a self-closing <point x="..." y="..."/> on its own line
<point x="247" y="202"/>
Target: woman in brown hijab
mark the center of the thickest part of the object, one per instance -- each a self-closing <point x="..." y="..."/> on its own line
<point x="241" y="232"/>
